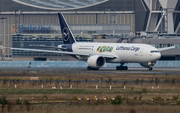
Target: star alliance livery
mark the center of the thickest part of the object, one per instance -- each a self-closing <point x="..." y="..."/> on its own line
<point x="98" y="54"/>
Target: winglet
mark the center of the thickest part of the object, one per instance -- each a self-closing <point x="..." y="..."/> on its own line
<point x="163" y="49"/>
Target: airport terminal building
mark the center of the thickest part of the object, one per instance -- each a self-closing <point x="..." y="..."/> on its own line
<point x="25" y="23"/>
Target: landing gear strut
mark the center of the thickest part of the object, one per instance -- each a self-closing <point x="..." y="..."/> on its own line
<point x="150" y="68"/>
<point x="121" y="67"/>
<point x="91" y="68"/>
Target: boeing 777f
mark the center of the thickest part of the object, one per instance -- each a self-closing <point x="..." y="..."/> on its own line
<point x="98" y="54"/>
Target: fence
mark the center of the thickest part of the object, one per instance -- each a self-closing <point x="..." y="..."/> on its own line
<point x="6" y="64"/>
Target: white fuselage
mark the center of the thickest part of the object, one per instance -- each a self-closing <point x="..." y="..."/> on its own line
<point x="124" y="52"/>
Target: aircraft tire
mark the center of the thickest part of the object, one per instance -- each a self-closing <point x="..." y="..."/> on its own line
<point x="126" y="68"/>
<point x="90" y="68"/>
<point x="121" y="68"/>
<point x="150" y="69"/>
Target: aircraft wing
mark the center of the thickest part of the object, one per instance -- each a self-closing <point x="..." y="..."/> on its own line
<point x="45" y="46"/>
<point x="166" y="48"/>
<point x="63" y="52"/>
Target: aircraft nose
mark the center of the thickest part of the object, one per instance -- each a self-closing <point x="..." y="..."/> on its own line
<point x="158" y="56"/>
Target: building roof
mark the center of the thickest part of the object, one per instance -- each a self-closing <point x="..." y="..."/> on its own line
<point x="60" y="4"/>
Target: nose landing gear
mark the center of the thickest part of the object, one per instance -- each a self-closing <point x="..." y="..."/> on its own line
<point x="150" y="68"/>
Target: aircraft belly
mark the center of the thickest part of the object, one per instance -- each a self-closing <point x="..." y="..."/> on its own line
<point x="114" y="60"/>
<point x="125" y="56"/>
<point x="132" y="57"/>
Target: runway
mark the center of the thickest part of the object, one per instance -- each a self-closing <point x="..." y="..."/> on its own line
<point x="140" y="71"/>
<point x="101" y="70"/>
<point x="83" y="81"/>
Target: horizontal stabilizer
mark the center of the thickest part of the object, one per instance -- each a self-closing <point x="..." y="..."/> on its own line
<point x="45" y="46"/>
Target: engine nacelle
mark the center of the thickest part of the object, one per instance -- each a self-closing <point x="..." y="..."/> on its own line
<point x="96" y="61"/>
<point x="148" y="64"/>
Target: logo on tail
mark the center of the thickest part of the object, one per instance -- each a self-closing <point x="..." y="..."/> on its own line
<point x="65" y="34"/>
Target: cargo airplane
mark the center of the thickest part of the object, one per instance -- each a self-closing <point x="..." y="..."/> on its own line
<point x="98" y="54"/>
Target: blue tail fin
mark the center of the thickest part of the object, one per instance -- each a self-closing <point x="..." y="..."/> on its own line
<point x="67" y="35"/>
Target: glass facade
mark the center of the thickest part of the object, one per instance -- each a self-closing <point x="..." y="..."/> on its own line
<point x="165" y="45"/>
<point x="37" y="41"/>
<point x="29" y="41"/>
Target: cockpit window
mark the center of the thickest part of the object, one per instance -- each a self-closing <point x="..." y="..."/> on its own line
<point x="154" y="51"/>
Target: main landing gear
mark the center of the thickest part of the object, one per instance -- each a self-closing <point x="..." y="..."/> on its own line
<point x="121" y="67"/>
<point x="91" y="68"/>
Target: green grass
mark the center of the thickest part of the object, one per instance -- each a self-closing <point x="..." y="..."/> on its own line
<point x="48" y="91"/>
<point x="81" y="91"/>
<point x="65" y="91"/>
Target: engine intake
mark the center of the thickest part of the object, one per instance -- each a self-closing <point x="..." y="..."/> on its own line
<point x="96" y="61"/>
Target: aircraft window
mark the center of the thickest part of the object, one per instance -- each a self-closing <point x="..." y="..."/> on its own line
<point x="164" y="45"/>
<point x="154" y="51"/>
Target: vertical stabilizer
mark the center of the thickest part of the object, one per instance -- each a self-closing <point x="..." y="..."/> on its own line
<point x="67" y="35"/>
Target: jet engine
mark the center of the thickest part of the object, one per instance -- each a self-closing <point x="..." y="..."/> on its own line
<point x="96" y="61"/>
<point x="148" y="64"/>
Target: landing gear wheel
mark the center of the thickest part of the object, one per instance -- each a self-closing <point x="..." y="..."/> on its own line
<point x="150" y="68"/>
<point x="90" y="68"/>
<point x="121" y="68"/>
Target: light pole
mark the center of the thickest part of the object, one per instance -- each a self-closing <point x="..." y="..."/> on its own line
<point x="18" y="13"/>
<point x="110" y="15"/>
<point x="3" y="20"/>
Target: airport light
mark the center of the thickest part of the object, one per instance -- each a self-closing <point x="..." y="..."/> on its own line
<point x="20" y="99"/>
<point x="87" y="98"/>
<point x="105" y="98"/>
<point x="170" y="99"/>
<point x="152" y="101"/>
<point x="32" y="99"/>
<point x="96" y="98"/>
<point x="113" y="98"/>
<point x="165" y="101"/>
<point x="3" y="20"/>
<point x="79" y="98"/>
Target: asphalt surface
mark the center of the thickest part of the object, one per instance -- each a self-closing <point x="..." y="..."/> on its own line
<point x="84" y="70"/>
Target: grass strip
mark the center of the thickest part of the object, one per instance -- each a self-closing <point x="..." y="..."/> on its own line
<point x="65" y="91"/>
<point x="82" y="91"/>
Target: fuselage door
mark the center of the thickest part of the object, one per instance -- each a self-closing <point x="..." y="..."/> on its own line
<point x="150" y="55"/>
<point x="141" y="52"/>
